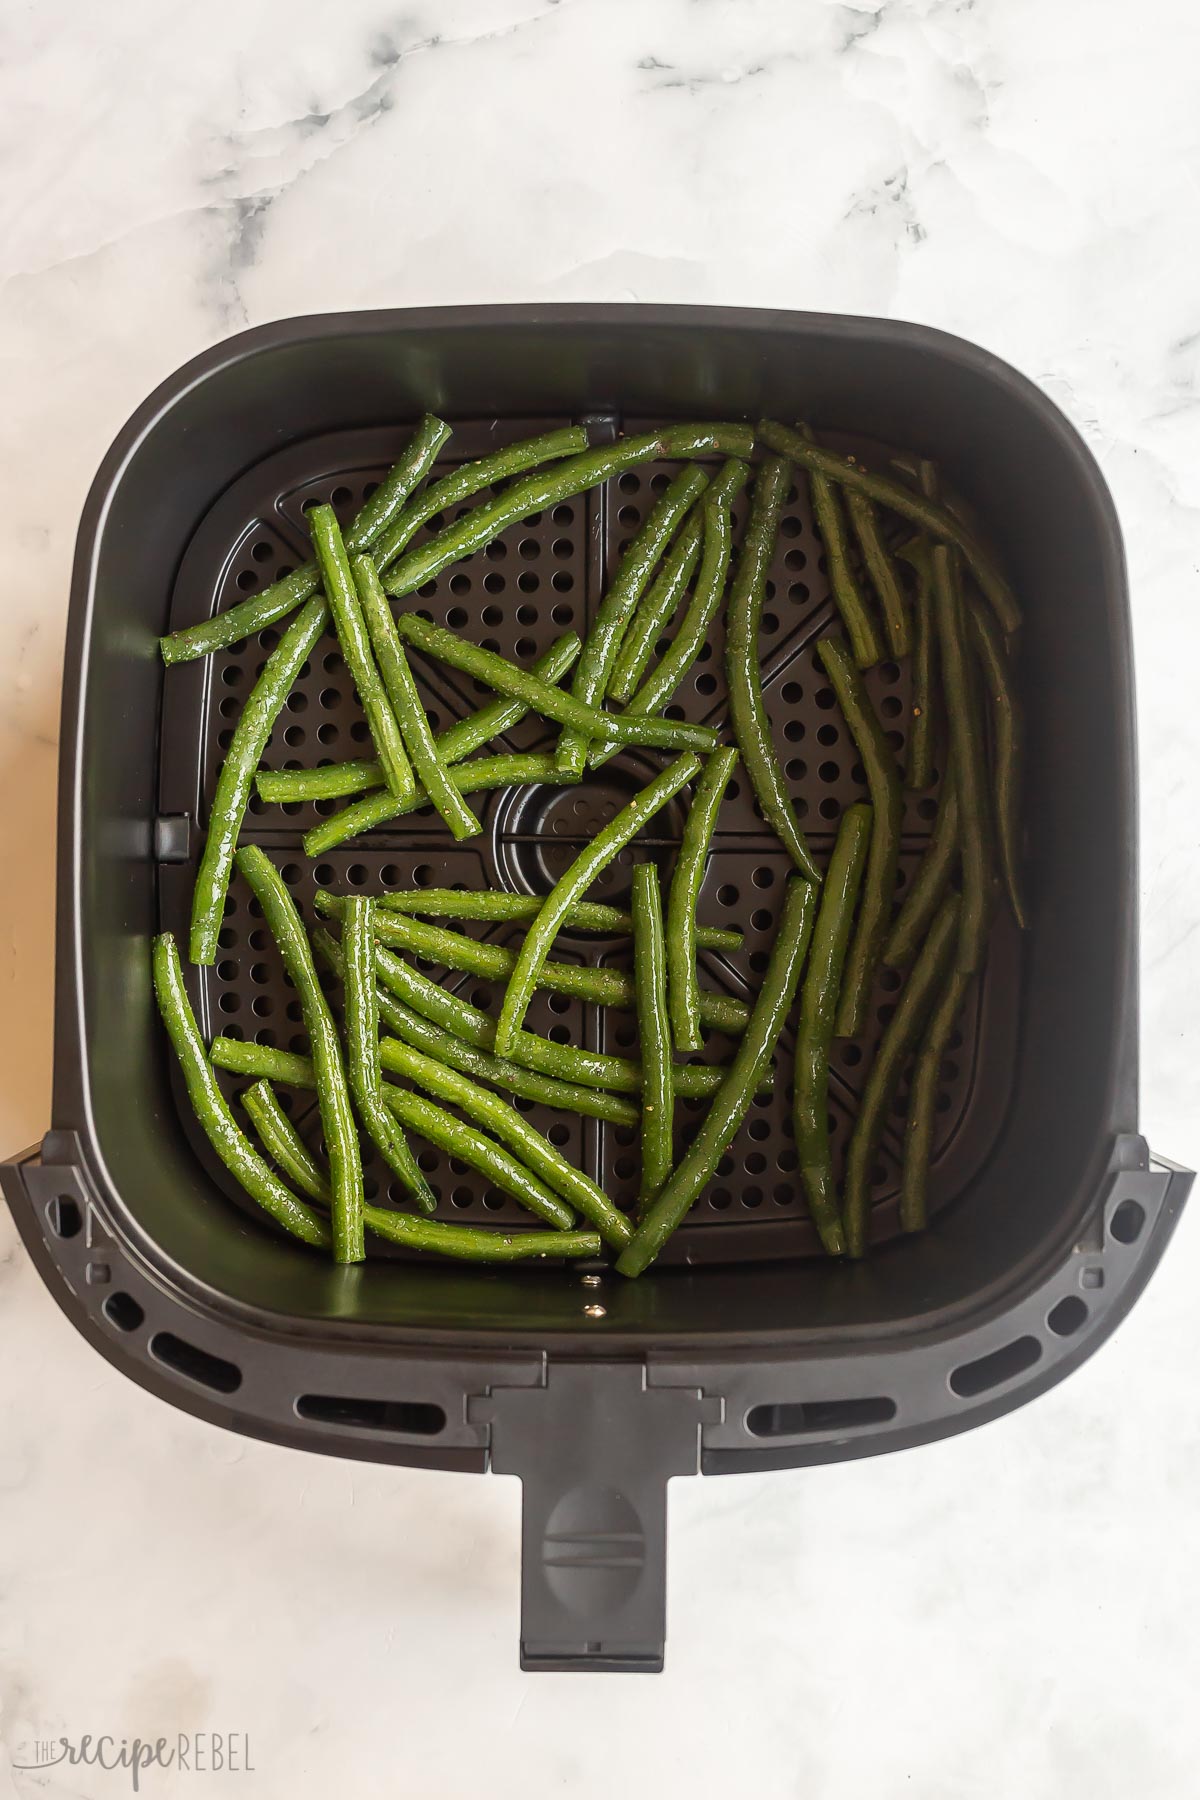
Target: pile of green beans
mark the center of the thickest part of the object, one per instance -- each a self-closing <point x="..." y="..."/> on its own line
<point x="394" y="1055"/>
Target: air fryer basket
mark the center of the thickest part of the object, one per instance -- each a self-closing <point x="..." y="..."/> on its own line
<point x="743" y="1350"/>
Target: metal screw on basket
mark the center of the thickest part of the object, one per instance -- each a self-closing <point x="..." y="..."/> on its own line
<point x="595" y="1311"/>
<point x="590" y="1280"/>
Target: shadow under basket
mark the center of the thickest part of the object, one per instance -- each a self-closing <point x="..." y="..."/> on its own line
<point x="743" y="1350"/>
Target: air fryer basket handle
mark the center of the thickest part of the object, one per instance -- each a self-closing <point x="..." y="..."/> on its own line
<point x="595" y="1447"/>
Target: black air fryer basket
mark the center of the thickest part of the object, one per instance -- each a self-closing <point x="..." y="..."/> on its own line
<point x="741" y="1350"/>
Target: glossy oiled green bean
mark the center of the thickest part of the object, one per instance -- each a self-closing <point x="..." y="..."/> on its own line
<point x="468" y="1243"/>
<point x="590" y="680"/>
<point x="507" y="1124"/>
<point x="969" y="756"/>
<point x="548" y="488"/>
<point x="250" y="736"/>
<point x="283" y="596"/>
<point x="362" y="1051"/>
<point x="732" y="1100"/>
<point x="346" y="611"/>
<point x="469" y="479"/>
<point x="431" y="771"/>
<point x="654" y="1033"/>
<point x="855" y="614"/>
<point x="490" y="904"/>
<point x="683" y="984"/>
<point x="931" y="883"/>
<point x="329" y="782"/>
<point x="283" y="1143"/>
<point x="212" y="1110"/>
<point x="900" y="1035"/>
<point x="243" y="1057"/>
<point x="922" y="732"/>
<point x="333" y="1094"/>
<point x="1008" y="747"/>
<point x="574" y="883"/>
<point x="476" y="777"/>
<point x="879" y="566"/>
<point x="818" y="1008"/>
<point x="486" y="666"/>
<point x="931" y="515"/>
<point x="707" y="595"/>
<point x="743" y="674"/>
<point x="656" y="608"/>
<point x="922" y="1102"/>
<point x="887" y="814"/>
<point x="470" y="1146"/>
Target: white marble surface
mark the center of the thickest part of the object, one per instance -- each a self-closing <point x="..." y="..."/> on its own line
<point x="1009" y="1613"/>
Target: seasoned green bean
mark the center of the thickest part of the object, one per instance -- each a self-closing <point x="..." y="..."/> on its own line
<point x="922" y="732"/>
<point x="929" y="514"/>
<point x="743" y="672"/>
<point x="490" y="721"/>
<point x="551" y="702"/>
<point x="855" y="614"/>
<point x="211" y="1109"/>
<point x="242" y="1057"/>
<point x="732" y="1101"/>
<point x="657" y="608"/>
<point x="878" y="562"/>
<point x="818" y="1008"/>
<point x="350" y="625"/>
<point x="469" y="1243"/>
<point x="283" y="596"/>
<point x="969" y="756"/>
<point x="506" y="1123"/>
<point x="333" y="1095"/>
<point x="478" y="776"/>
<point x="328" y="782"/>
<point x="887" y="803"/>
<point x="491" y="905"/>
<point x="930" y="884"/>
<point x="683" y="984"/>
<point x="447" y="1133"/>
<point x="900" y="1035"/>
<point x="922" y="1102"/>
<point x="431" y="771"/>
<point x="564" y="482"/>
<point x="654" y="1031"/>
<point x="602" y="645"/>
<point x="250" y="736"/>
<point x="362" y="1047"/>
<point x="573" y="883"/>
<point x="1008" y="746"/>
<point x="283" y="1143"/>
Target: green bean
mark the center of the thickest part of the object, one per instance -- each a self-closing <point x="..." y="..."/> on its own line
<point x="657" y="608"/>
<point x="818" y="1007"/>
<point x="732" y="1100"/>
<point x="468" y="1243"/>
<point x="743" y="672"/>
<point x="490" y="905"/>
<point x="283" y="596"/>
<point x="1007" y="739"/>
<point x="574" y="882"/>
<point x="887" y="801"/>
<point x="551" y="702"/>
<point x="476" y="777"/>
<point x="333" y="1095"/>
<point x="707" y="595"/>
<point x="683" y="985"/>
<point x="507" y="1124"/>
<point x="654" y="1031"/>
<point x="968" y="752"/>
<point x="929" y="514"/>
<point x="536" y="492"/>
<point x="237" y="772"/>
<point x="922" y="1102"/>
<point x="848" y="596"/>
<point x="329" y="782"/>
<point x="283" y="1143"/>
<point x="211" y="1108"/>
<point x="362" y="1047"/>
<point x="350" y="625"/>
<point x="447" y="1133"/>
<point x="878" y="561"/>
<point x="930" y="884"/>
<point x="916" y="997"/>
<point x="921" y="737"/>
<point x="406" y="703"/>
<point x="242" y="1057"/>
<point x="566" y="1062"/>
<point x="469" y="478"/>
<point x="603" y="643"/>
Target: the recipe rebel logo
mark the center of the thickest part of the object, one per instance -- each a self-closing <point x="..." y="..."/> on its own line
<point x="197" y="1752"/>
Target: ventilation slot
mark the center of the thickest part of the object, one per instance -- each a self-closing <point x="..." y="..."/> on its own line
<point x="123" y="1311"/>
<point x="796" y="1418"/>
<point x="989" y="1371"/>
<point x="415" y="1418"/>
<point x="198" y="1365"/>
<point x="64" y="1217"/>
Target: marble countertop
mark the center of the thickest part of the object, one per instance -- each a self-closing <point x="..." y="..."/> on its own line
<point x="1011" y="1612"/>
